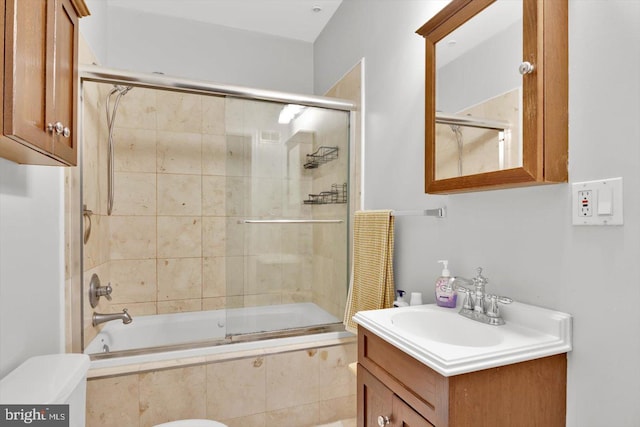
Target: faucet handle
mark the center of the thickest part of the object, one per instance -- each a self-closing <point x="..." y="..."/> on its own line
<point x="96" y="291"/>
<point x="104" y="291"/>
<point x="468" y="299"/>
<point x="505" y="300"/>
<point x="494" y="309"/>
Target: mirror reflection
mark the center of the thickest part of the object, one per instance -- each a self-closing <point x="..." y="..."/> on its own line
<point x="479" y="94"/>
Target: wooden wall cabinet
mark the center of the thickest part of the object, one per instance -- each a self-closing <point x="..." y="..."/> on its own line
<point x="392" y="385"/>
<point x="40" y="81"/>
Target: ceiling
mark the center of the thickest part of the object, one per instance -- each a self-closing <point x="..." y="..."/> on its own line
<point x="294" y="19"/>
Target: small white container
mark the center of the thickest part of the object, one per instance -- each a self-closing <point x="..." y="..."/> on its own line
<point x="416" y="298"/>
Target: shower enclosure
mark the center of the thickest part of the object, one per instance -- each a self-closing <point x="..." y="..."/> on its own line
<point x="202" y="197"/>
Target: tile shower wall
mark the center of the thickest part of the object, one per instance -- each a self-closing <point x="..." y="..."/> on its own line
<point x="166" y="196"/>
<point x="249" y="392"/>
<point x="188" y="168"/>
<point x="167" y="201"/>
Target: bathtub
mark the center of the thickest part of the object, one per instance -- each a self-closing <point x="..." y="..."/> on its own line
<point x="197" y="337"/>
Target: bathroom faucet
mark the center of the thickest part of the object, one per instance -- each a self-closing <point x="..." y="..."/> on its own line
<point x="474" y="306"/>
<point x="101" y="318"/>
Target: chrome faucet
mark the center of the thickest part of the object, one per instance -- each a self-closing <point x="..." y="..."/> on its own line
<point x="475" y="301"/>
<point x="101" y="318"/>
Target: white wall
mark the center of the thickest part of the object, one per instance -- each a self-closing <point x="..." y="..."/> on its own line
<point x="522" y="237"/>
<point x="155" y="43"/>
<point x="94" y="27"/>
<point x="31" y="263"/>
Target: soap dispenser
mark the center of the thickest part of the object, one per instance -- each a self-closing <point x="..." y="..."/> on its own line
<point x="446" y="295"/>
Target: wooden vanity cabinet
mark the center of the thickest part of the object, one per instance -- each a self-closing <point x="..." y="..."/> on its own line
<point x="40" y="81"/>
<point x="379" y="401"/>
<point x="395" y="385"/>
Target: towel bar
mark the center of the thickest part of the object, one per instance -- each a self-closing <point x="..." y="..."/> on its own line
<point x="440" y="212"/>
<point x="290" y="221"/>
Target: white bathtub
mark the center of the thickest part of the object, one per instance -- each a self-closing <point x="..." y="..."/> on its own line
<point x="206" y="330"/>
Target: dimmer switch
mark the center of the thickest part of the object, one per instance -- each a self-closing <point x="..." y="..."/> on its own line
<point x="597" y="202"/>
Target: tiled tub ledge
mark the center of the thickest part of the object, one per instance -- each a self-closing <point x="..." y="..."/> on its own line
<point x="256" y="384"/>
<point x="101" y="368"/>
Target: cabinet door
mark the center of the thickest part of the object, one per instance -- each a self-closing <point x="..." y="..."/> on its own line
<point x="405" y="416"/>
<point x="65" y="75"/>
<point x="29" y="56"/>
<point x="374" y="399"/>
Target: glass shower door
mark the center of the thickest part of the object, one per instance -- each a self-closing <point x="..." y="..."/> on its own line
<point x="286" y="216"/>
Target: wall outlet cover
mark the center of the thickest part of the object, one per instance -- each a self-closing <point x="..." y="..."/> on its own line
<point x="597" y="202"/>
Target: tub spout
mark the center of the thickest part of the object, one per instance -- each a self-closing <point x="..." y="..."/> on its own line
<point x="101" y="318"/>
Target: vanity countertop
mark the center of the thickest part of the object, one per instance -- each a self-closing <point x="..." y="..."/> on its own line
<point x="452" y="344"/>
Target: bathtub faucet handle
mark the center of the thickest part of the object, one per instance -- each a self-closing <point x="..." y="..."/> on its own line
<point x="105" y="291"/>
<point x="96" y="291"/>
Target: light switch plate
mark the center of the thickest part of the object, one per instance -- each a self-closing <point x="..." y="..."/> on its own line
<point x="597" y="202"/>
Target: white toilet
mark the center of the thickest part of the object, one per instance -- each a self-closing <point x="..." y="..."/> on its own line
<point x="50" y="379"/>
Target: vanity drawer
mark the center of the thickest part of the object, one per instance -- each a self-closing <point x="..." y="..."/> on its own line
<point x="417" y="384"/>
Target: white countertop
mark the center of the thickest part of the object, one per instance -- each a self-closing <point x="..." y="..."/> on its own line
<point x="530" y="332"/>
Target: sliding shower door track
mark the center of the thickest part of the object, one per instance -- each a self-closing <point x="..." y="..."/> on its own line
<point x="230" y="339"/>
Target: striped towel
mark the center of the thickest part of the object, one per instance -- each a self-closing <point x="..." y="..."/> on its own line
<point x="372" y="270"/>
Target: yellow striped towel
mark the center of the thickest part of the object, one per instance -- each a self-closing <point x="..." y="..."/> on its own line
<point x="372" y="268"/>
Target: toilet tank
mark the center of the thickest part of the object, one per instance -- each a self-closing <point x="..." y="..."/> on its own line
<point x="50" y="379"/>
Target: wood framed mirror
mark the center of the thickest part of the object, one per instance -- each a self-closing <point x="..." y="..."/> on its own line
<point x="496" y="116"/>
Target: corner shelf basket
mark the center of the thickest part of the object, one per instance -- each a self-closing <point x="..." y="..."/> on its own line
<point x="321" y="156"/>
<point x="337" y="194"/>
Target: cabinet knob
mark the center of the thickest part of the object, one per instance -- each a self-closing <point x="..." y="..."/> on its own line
<point x="383" y="420"/>
<point x="59" y="129"/>
<point x="526" y="68"/>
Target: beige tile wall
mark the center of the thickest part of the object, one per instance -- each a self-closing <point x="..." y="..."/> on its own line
<point x="294" y="389"/>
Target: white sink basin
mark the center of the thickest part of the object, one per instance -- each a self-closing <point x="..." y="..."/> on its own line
<point x="452" y="344"/>
<point x="456" y="330"/>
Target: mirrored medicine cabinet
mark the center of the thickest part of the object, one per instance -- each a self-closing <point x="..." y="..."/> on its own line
<point x="496" y="95"/>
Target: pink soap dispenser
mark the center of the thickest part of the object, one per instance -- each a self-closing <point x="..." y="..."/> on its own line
<point x="446" y="295"/>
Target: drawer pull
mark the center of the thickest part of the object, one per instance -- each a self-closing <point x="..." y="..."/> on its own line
<point x="383" y="420"/>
